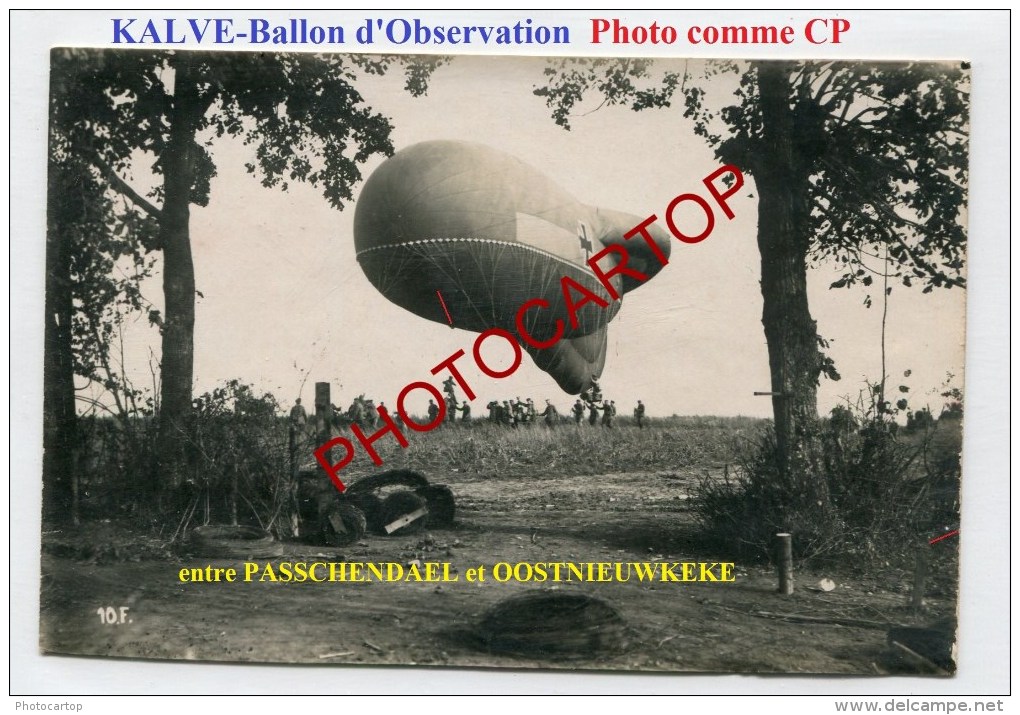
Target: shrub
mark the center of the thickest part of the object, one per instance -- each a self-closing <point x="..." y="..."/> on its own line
<point x="114" y="467"/>
<point x="861" y="492"/>
<point x="240" y="458"/>
<point x="920" y="420"/>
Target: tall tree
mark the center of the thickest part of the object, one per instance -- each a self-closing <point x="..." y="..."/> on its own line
<point x="850" y="160"/>
<point x="300" y="112"/>
<point x="96" y="259"/>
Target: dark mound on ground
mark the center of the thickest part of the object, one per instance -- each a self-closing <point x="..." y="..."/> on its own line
<point x="233" y="542"/>
<point x="550" y="623"/>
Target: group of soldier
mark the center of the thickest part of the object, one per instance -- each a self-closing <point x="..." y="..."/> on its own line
<point x="452" y="408"/>
<point x="591" y="402"/>
<point x="511" y="413"/>
<point x="608" y="409"/>
<point x="362" y="412"/>
<point x="514" y="413"/>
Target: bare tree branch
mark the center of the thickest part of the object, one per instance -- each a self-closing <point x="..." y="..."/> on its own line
<point x="122" y="187"/>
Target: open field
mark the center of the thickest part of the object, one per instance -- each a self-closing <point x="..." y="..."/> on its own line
<point x="535" y="495"/>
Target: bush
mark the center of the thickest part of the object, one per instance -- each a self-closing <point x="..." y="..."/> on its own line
<point x="240" y="457"/>
<point x="920" y="421"/>
<point x="859" y="492"/>
<point x="115" y="468"/>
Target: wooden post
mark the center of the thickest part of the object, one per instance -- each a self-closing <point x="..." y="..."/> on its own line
<point x="323" y="413"/>
<point x="784" y="563"/>
<point x="920" y="578"/>
<point x="322" y="403"/>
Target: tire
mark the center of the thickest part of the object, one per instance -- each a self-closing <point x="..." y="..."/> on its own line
<point x="392" y="478"/>
<point x="233" y="542"/>
<point x="439" y="499"/>
<point x="371" y="506"/>
<point x="399" y="504"/>
<point x="349" y="518"/>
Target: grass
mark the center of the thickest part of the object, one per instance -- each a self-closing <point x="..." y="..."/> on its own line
<point x="486" y="449"/>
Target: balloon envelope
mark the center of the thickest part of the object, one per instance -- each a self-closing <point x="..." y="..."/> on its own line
<point x="490" y="233"/>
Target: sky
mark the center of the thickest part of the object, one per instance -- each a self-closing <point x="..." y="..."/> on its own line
<point x="284" y="303"/>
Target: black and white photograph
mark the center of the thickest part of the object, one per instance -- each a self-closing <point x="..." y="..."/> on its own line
<point x="558" y="363"/>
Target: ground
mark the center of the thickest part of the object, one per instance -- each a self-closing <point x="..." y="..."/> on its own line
<point x="744" y="626"/>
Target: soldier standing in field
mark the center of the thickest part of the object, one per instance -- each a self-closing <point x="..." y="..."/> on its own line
<point x="593" y="414"/>
<point x="508" y="414"/>
<point x="550" y="414"/>
<point x="639" y="414"/>
<point x="607" y="414"/>
<point x="578" y="410"/>
<point x="298" y="422"/>
<point x="371" y="414"/>
<point x="298" y="416"/>
<point x="520" y="415"/>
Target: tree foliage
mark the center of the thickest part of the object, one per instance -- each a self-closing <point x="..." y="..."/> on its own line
<point x="141" y="126"/>
<point x="883" y="145"/>
<point x="106" y="241"/>
<point x="300" y="112"/>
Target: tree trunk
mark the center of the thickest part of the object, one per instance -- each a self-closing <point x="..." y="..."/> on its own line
<point x="59" y="418"/>
<point x="178" y="165"/>
<point x="783" y="241"/>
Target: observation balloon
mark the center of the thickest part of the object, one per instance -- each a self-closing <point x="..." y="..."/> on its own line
<point x="490" y="233"/>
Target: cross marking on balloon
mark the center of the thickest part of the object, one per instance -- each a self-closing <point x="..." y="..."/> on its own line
<point x="582" y="237"/>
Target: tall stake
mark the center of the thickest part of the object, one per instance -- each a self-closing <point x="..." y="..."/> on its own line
<point x="784" y="562"/>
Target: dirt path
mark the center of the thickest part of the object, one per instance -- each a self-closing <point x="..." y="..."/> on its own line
<point x="709" y="627"/>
